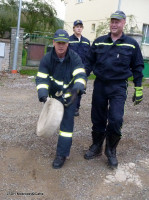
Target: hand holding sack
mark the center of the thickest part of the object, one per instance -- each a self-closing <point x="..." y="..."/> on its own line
<point x="43" y="99"/>
<point x="138" y="95"/>
<point x="74" y="94"/>
<point x="78" y="88"/>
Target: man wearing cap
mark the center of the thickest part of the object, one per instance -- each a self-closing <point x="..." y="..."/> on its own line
<point x="113" y="58"/>
<point x="62" y="76"/>
<point x="80" y="45"/>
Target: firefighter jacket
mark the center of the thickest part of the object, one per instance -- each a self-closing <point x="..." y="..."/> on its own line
<point x="80" y="47"/>
<point x="117" y="60"/>
<point x="56" y="76"/>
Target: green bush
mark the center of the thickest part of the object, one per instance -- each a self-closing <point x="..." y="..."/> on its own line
<point x="29" y="72"/>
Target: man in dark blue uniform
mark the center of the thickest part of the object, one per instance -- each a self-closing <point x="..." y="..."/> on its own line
<point x="62" y="76"/>
<point x="113" y="58"/>
<point x="80" y="45"/>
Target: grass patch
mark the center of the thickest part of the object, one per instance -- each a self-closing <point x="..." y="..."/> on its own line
<point x="131" y="79"/>
<point x="24" y="57"/>
<point x="145" y="85"/>
<point x="92" y="77"/>
<point x="33" y="72"/>
<point x="29" y="72"/>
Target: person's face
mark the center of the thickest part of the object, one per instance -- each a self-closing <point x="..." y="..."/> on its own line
<point x="116" y="26"/>
<point x="60" y="48"/>
<point x="78" y="29"/>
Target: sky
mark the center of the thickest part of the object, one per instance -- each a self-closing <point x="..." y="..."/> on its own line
<point x="60" y="8"/>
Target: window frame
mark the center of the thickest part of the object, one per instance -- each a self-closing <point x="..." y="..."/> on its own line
<point x="93" y="28"/>
<point x="145" y="31"/>
<point x="80" y="1"/>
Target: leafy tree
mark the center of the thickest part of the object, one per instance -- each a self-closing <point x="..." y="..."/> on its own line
<point x="131" y="25"/>
<point x="35" y="16"/>
<point x="38" y="16"/>
<point x="8" y="16"/>
<point x="103" y="27"/>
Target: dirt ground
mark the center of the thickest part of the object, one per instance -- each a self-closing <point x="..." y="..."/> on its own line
<point x="26" y="159"/>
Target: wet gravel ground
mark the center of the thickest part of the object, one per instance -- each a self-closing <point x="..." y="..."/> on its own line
<point x="26" y="159"/>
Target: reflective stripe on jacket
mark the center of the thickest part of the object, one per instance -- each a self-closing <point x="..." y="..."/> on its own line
<point x="115" y="60"/>
<point x="80" y="47"/>
<point x="56" y="77"/>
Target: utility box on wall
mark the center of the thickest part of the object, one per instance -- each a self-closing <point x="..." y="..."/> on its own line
<point x="4" y="54"/>
<point x="2" y="49"/>
<point x="146" y="68"/>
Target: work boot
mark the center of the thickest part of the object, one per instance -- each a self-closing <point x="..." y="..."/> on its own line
<point x="110" y="150"/>
<point x="58" y="162"/>
<point x="76" y="112"/>
<point x="96" y="148"/>
<point x="94" y="151"/>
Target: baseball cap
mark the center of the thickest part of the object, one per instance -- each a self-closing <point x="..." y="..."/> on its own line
<point x="61" y="36"/>
<point x="77" y="22"/>
<point x="118" y="15"/>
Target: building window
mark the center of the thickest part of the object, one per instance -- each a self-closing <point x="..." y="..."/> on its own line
<point x="145" y="33"/>
<point x="93" y="28"/>
<point x="79" y="1"/>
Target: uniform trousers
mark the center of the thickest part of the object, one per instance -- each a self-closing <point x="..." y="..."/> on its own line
<point x="108" y="101"/>
<point x="66" y="131"/>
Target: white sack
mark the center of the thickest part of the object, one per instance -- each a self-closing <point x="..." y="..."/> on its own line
<point x="50" y="118"/>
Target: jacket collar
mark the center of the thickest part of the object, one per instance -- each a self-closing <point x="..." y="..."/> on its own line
<point x="76" y="37"/>
<point x="56" y="57"/>
<point x="121" y="38"/>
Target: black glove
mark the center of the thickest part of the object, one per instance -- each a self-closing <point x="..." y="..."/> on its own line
<point x="43" y="99"/>
<point x="74" y="93"/>
<point x="79" y="87"/>
<point x="138" y="95"/>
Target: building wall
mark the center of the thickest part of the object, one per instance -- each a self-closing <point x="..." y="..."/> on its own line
<point x="137" y="8"/>
<point x="94" y="11"/>
<point x="6" y="62"/>
<point x="140" y="10"/>
<point x="90" y="12"/>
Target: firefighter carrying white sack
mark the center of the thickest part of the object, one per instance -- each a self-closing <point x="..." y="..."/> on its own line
<point x="62" y="76"/>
